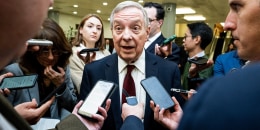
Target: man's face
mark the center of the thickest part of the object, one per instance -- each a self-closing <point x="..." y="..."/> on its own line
<point x="189" y="43"/>
<point x="155" y="25"/>
<point x="18" y="24"/>
<point x="243" y="20"/>
<point x="129" y="33"/>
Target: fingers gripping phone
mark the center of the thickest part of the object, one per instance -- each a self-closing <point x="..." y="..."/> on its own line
<point x="19" y="82"/>
<point x="157" y="92"/>
<point x="168" y="40"/>
<point x="97" y="97"/>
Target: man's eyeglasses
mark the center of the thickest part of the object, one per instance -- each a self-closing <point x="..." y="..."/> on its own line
<point x="187" y="36"/>
<point x="151" y="20"/>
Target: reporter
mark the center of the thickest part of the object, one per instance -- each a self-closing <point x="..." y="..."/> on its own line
<point x="50" y="63"/>
<point x="17" y="26"/>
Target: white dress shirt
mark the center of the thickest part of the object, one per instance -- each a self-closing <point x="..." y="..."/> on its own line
<point x="138" y="74"/>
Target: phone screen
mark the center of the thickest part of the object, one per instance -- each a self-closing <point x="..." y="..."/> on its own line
<point x="18" y="82"/>
<point x="157" y="92"/>
<point x="96" y="98"/>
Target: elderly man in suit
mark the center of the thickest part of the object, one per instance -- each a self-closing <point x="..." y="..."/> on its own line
<point x="130" y="30"/>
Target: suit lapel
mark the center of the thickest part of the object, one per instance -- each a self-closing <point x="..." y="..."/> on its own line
<point x="157" y="41"/>
<point x="111" y="72"/>
<point x="151" y="69"/>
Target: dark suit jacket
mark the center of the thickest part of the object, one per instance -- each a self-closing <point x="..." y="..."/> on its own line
<point x="107" y="69"/>
<point x="132" y="123"/>
<point x="230" y="102"/>
<point x="175" y="56"/>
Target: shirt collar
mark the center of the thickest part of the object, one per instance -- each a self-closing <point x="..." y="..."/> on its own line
<point x="151" y="39"/>
<point x="139" y="64"/>
<point x="200" y="54"/>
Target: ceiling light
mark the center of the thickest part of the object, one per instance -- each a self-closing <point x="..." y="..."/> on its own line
<point x="140" y="1"/>
<point x="105" y="3"/>
<point x="75" y="12"/>
<point x="185" y="10"/>
<point x="194" y="17"/>
<point x="98" y="11"/>
<point x="50" y="8"/>
<point x="108" y="19"/>
<point x="75" y="6"/>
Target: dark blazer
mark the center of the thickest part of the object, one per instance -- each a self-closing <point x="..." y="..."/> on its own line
<point x="230" y="102"/>
<point x="107" y="69"/>
<point x="175" y="56"/>
<point x="132" y="123"/>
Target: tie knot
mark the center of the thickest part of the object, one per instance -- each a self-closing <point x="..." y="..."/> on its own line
<point x="130" y="68"/>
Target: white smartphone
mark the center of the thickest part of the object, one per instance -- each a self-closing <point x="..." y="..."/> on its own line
<point x="40" y="42"/>
<point x="97" y="97"/>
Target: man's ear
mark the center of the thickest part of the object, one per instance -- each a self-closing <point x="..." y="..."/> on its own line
<point x="197" y="39"/>
<point x="148" y="32"/>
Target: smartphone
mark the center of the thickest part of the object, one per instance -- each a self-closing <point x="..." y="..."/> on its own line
<point x="97" y="97"/>
<point x="40" y="42"/>
<point x="50" y="95"/>
<point x="131" y="100"/>
<point x="19" y="82"/>
<point x="88" y="50"/>
<point x="199" y="61"/>
<point x="168" y="40"/>
<point x="157" y="92"/>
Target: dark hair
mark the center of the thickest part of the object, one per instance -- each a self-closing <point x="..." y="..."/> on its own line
<point x="79" y="38"/>
<point x="50" y="30"/>
<point x="203" y="30"/>
<point x="159" y="9"/>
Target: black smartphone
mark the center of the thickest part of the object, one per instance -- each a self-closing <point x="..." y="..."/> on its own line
<point x="97" y="97"/>
<point x="168" y="40"/>
<point x="19" y="82"/>
<point x="40" y="42"/>
<point x="198" y="61"/>
<point x="88" y="50"/>
<point x="157" y="92"/>
<point x="50" y="95"/>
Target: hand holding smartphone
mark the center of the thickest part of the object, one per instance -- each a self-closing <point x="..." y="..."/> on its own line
<point x="157" y="92"/>
<point x="168" y="40"/>
<point x="199" y="60"/>
<point x="19" y="82"/>
<point x="86" y="50"/>
<point x="97" y="97"/>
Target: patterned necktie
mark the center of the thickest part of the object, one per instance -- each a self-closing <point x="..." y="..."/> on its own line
<point x="129" y="84"/>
